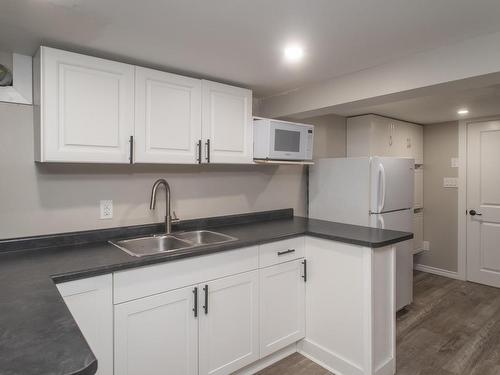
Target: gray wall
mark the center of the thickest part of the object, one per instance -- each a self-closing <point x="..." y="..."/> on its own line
<point x="51" y="198"/>
<point x="440" y="204"/>
<point x="329" y="136"/>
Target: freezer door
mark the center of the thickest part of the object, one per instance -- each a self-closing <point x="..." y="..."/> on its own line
<point x="391" y="184"/>
<point x="339" y="190"/>
<point x="402" y="221"/>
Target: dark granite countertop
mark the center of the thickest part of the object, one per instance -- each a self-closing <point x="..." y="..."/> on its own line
<point x="37" y="332"/>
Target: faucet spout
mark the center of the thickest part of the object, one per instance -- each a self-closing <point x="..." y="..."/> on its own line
<point x="152" y="203"/>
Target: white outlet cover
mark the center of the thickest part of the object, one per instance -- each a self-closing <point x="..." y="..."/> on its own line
<point x="450" y="182"/>
<point x="106" y="209"/>
<point x="454" y="162"/>
<point x="426" y="245"/>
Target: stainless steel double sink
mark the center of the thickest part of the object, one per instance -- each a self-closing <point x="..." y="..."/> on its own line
<point x="169" y="243"/>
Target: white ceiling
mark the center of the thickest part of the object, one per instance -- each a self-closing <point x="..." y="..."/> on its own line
<point x="442" y="107"/>
<point x="241" y="41"/>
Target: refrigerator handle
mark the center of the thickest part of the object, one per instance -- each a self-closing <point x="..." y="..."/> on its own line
<point x="382" y="179"/>
<point x="382" y="222"/>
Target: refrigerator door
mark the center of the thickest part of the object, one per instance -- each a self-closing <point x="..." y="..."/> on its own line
<point x="402" y="221"/>
<point x="391" y="184"/>
<point x="339" y="190"/>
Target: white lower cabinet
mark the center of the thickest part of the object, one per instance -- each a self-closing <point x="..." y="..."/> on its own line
<point x="90" y="301"/>
<point x="282" y="306"/>
<point x="229" y="323"/>
<point x="157" y="335"/>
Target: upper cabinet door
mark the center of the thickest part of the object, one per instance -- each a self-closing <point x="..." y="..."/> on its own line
<point x="83" y="108"/>
<point x="417" y="143"/>
<point x="381" y="136"/>
<point x="167" y="117"/>
<point x="227" y="124"/>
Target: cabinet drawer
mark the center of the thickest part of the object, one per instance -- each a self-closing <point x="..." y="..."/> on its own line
<point x="281" y="251"/>
<point x="146" y="281"/>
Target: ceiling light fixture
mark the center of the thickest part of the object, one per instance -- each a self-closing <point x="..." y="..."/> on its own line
<point x="293" y="53"/>
<point x="463" y="111"/>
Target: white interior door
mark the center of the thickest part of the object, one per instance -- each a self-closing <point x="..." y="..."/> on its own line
<point x="229" y="317"/>
<point x="157" y="335"/>
<point x="483" y="203"/>
<point x="167" y="117"/>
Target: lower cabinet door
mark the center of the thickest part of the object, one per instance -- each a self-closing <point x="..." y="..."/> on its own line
<point x="229" y="323"/>
<point x="90" y="301"/>
<point x="157" y="335"/>
<point x="282" y="306"/>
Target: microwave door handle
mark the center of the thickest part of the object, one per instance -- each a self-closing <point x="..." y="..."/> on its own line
<point x="383" y="187"/>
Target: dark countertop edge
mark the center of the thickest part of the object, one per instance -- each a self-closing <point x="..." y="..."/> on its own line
<point x="373" y="245"/>
<point x="211" y="249"/>
<point x="91" y="369"/>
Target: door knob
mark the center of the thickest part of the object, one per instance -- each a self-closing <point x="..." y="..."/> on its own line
<point x="474" y="213"/>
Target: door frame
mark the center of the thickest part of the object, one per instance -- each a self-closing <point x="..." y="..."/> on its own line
<point x="462" y="192"/>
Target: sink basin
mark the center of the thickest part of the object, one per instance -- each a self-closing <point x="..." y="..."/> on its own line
<point x="170" y="243"/>
<point x="152" y="245"/>
<point x="204" y="237"/>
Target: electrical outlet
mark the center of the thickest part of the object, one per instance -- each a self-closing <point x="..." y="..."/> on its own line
<point x="426" y="245"/>
<point x="106" y="209"/>
<point x="450" y="182"/>
<point x="454" y="162"/>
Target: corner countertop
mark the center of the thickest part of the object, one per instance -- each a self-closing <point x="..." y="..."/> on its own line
<point x="37" y="332"/>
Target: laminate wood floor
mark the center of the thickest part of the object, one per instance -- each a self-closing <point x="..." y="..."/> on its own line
<point x="452" y="328"/>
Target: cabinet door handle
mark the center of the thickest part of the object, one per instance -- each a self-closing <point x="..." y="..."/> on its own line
<point x="207" y="156"/>
<point x="131" y="150"/>
<point x="304" y="276"/>
<point x="205" y="307"/>
<point x="195" y="308"/>
<point x="198" y="145"/>
<point x="286" y="252"/>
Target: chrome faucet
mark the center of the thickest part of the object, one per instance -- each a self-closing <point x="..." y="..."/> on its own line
<point x="168" y="217"/>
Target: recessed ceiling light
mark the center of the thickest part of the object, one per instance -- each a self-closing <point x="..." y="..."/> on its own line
<point x="293" y="53"/>
<point x="463" y="111"/>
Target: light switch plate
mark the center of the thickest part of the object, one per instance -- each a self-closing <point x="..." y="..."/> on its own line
<point x="454" y="162"/>
<point x="106" y="209"/>
<point x="450" y="182"/>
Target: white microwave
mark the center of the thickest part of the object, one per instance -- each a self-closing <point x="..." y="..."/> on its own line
<point x="282" y="140"/>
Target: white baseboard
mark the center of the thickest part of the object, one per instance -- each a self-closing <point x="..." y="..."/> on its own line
<point x="327" y="359"/>
<point x="437" y="271"/>
<point x="267" y="361"/>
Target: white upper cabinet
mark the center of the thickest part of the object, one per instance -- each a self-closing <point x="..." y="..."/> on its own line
<point x="369" y="136"/>
<point x="227" y="124"/>
<point x="373" y="135"/>
<point x="167" y="117"/>
<point x="92" y="110"/>
<point x="417" y="142"/>
<point x="84" y="108"/>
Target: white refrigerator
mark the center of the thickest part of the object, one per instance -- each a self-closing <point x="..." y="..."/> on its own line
<point x="371" y="191"/>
